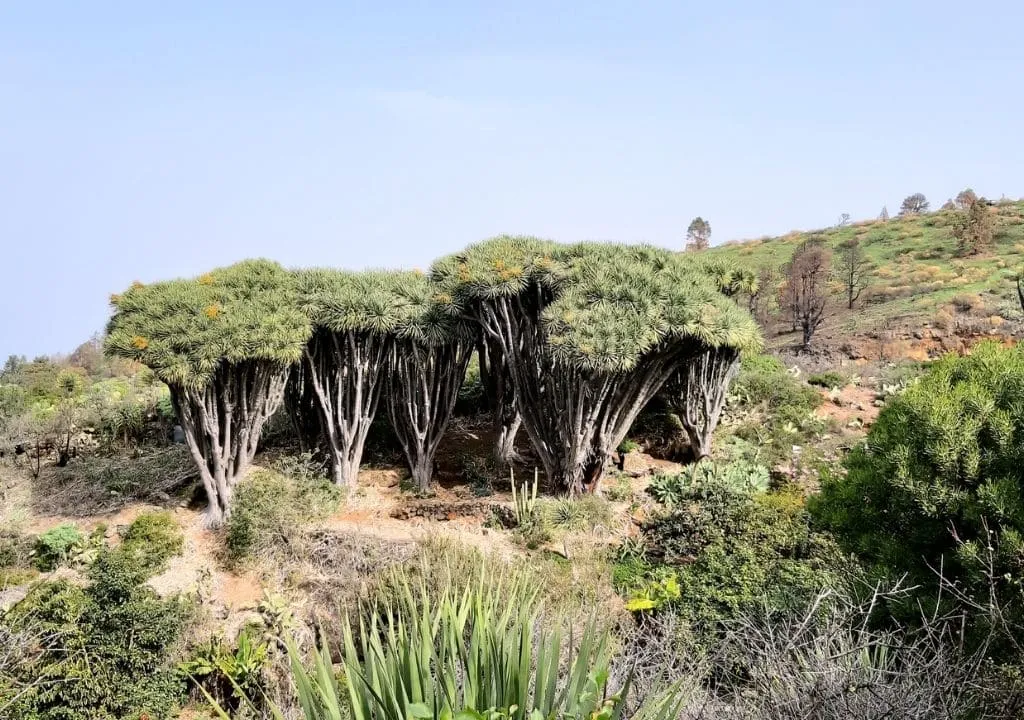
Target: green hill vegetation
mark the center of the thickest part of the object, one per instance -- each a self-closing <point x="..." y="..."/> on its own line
<point x="275" y="493"/>
<point x="919" y="275"/>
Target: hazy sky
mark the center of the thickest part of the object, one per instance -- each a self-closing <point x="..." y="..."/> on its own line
<point x="150" y="142"/>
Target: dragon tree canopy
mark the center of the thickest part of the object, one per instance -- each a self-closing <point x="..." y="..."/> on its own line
<point x="185" y="329"/>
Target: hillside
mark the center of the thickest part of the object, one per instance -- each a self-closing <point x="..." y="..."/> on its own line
<point x="922" y="298"/>
<point x="675" y="585"/>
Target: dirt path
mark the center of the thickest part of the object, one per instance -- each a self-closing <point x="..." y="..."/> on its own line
<point x="853" y="409"/>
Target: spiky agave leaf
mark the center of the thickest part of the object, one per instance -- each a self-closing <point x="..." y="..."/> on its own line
<point x="184" y="329"/>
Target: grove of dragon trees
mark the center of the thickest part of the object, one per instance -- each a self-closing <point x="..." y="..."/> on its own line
<point x="573" y="342"/>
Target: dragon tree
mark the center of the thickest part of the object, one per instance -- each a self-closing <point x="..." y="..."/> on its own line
<point x="426" y="367"/>
<point x="590" y="333"/>
<point x="696" y="390"/>
<point x="223" y="343"/>
<point x="356" y="317"/>
<point x="696" y="393"/>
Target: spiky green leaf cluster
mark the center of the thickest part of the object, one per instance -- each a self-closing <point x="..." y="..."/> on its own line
<point x="401" y="304"/>
<point x="183" y="329"/>
<point x="501" y="267"/>
<point x="608" y="304"/>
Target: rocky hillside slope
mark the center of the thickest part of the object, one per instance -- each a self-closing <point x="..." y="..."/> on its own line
<point x="923" y="298"/>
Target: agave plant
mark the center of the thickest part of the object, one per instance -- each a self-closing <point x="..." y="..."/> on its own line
<point x="469" y="654"/>
<point x="471" y="650"/>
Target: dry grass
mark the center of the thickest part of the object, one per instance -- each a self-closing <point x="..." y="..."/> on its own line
<point x="95" y="485"/>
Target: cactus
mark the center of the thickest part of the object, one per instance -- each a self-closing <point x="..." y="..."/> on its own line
<point x="525" y="501"/>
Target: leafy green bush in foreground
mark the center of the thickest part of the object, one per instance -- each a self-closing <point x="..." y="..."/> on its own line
<point x="270" y="508"/>
<point x="101" y="651"/>
<point x="56" y="546"/>
<point x="722" y="547"/>
<point x="938" y="484"/>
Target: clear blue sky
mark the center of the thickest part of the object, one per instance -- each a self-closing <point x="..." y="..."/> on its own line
<point x="143" y="140"/>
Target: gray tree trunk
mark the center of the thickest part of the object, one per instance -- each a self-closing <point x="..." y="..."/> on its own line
<point x="505" y="446"/>
<point x="575" y="418"/>
<point x="222" y="423"/>
<point x="345" y="370"/>
<point x="501" y="399"/>
<point x="423" y="386"/>
<point x="696" y="392"/>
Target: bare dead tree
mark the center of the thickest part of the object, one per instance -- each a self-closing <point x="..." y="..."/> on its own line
<point x="853" y="269"/>
<point x="760" y="302"/>
<point x="805" y="289"/>
<point x="915" y="204"/>
<point x="698" y="234"/>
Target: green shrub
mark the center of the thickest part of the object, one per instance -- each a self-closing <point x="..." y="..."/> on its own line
<point x="740" y="475"/>
<point x="270" y="510"/>
<point x="57" y="546"/>
<point x="532" y="535"/>
<point x="938" y="482"/>
<point x="575" y="514"/>
<point x="153" y="538"/>
<point x="729" y="548"/>
<point x="15" y="549"/>
<point x="230" y="675"/>
<point x="108" y="646"/>
<point x="620" y="490"/>
<point x="628" y="445"/>
<point x="770" y="411"/>
<point x="828" y="380"/>
<point x="479" y="473"/>
<point x="763" y="381"/>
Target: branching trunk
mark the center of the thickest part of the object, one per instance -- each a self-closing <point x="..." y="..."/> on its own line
<point x="696" y="392"/>
<point x="423" y="385"/>
<point x="345" y="370"/>
<point x="223" y="421"/>
<point x="507" y="427"/>
<point x="501" y="399"/>
<point x="422" y="390"/>
<point x="575" y="418"/>
<point x="301" y="407"/>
